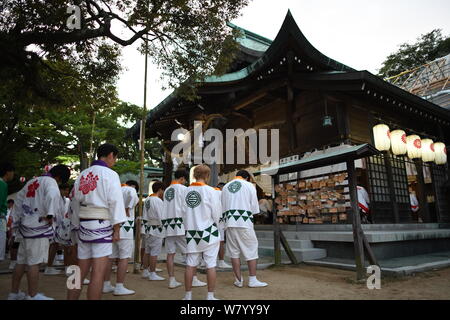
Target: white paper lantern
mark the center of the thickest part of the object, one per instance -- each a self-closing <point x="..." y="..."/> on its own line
<point x="440" y="152"/>
<point x="398" y="142"/>
<point x="428" y="154"/>
<point x="414" y="145"/>
<point x="381" y="135"/>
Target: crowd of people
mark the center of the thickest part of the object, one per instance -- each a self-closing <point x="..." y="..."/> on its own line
<point x="94" y="223"/>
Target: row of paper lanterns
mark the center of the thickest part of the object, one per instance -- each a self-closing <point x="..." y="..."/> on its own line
<point x="412" y="145"/>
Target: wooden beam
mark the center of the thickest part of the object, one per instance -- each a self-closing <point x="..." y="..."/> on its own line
<point x="356" y="222"/>
<point x="287" y="248"/>
<point x="249" y="100"/>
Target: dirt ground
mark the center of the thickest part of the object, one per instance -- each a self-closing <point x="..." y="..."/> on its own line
<point x="285" y="283"/>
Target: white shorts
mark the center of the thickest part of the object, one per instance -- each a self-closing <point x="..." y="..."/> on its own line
<point x="143" y="240"/>
<point x="209" y="256"/>
<point x="33" y="251"/>
<point x="94" y="250"/>
<point x="122" y="249"/>
<point x="222" y="234"/>
<point x="242" y="241"/>
<point x="175" y="241"/>
<point x="153" y="245"/>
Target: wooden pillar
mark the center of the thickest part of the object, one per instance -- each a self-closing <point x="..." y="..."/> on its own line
<point x="388" y="165"/>
<point x="356" y="221"/>
<point x="423" y="205"/>
<point x="276" y="233"/>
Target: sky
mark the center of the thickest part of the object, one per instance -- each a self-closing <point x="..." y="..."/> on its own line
<point x="358" y="33"/>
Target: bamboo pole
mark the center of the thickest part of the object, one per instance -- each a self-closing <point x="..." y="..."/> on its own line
<point x="137" y="246"/>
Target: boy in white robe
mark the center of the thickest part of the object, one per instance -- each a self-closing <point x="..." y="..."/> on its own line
<point x="123" y="249"/>
<point x="172" y="220"/>
<point x="239" y="204"/>
<point x="35" y="207"/>
<point x="98" y="213"/>
<point x="153" y="207"/>
<point x="201" y="220"/>
<point x="61" y="224"/>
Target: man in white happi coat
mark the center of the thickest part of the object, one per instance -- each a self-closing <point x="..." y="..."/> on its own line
<point x="239" y="204"/>
<point x="201" y="220"/>
<point x="35" y="207"/>
<point x="123" y="249"/>
<point x="98" y="213"/>
<point x="153" y="230"/>
<point x="221" y="263"/>
<point x="172" y="221"/>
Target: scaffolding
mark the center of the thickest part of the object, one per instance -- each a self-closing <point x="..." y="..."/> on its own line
<point x="430" y="81"/>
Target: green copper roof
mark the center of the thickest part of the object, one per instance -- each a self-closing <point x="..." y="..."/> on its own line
<point x="251" y="40"/>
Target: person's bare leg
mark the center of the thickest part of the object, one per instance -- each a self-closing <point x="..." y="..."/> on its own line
<point x="146" y="260"/>
<point x="142" y="256"/>
<point x="236" y="263"/>
<point x="252" y="267"/>
<point x="52" y="253"/>
<point x="73" y="255"/>
<point x="66" y="256"/>
<point x="222" y="250"/>
<point x="152" y="264"/>
<point x="95" y="288"/>
<point x="211" y="278"/>
<point x="170" y="267"/>
<point x="108" y="270"/>
<point x="33" y="279"/>
<point x="122" y="270"/>
<point x="85" y="266"/>
<point x="188" y="276"/>
<point x="17" y="277"/>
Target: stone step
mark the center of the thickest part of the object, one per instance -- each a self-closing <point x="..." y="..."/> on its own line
<point x="309" y="254"/>
<point x="372" y="236"/>
<point x="348" y="227"/>
<point x="295" y="244"/>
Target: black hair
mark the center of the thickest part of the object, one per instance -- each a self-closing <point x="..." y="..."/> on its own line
<point x="105" y="149"/>
<point x="10" y="201"/>
<point x="61" y="171"/>
<point x="158" y="185"/>
<point x="6" y="167"/>
<point x="244" y="174"/>
<point x="221" y="184"/>
<point x="65" y="186"/>
<point x="182" y="173"/>
<point x="133" y="183"/>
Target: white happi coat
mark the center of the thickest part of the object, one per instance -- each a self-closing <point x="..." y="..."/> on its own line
<point x="363" y="199"/>
<point x="97" y="187"/>
<point x="39" y="198"/>
<point x="62" y="223"/>
<point x="218" y="195"/>
<point x="153" y="208"/>
<point x="239" y="203"/>
<point x="201" y="217"/>
<point x="172" y="214"/>
<point x="130" y="200"/>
